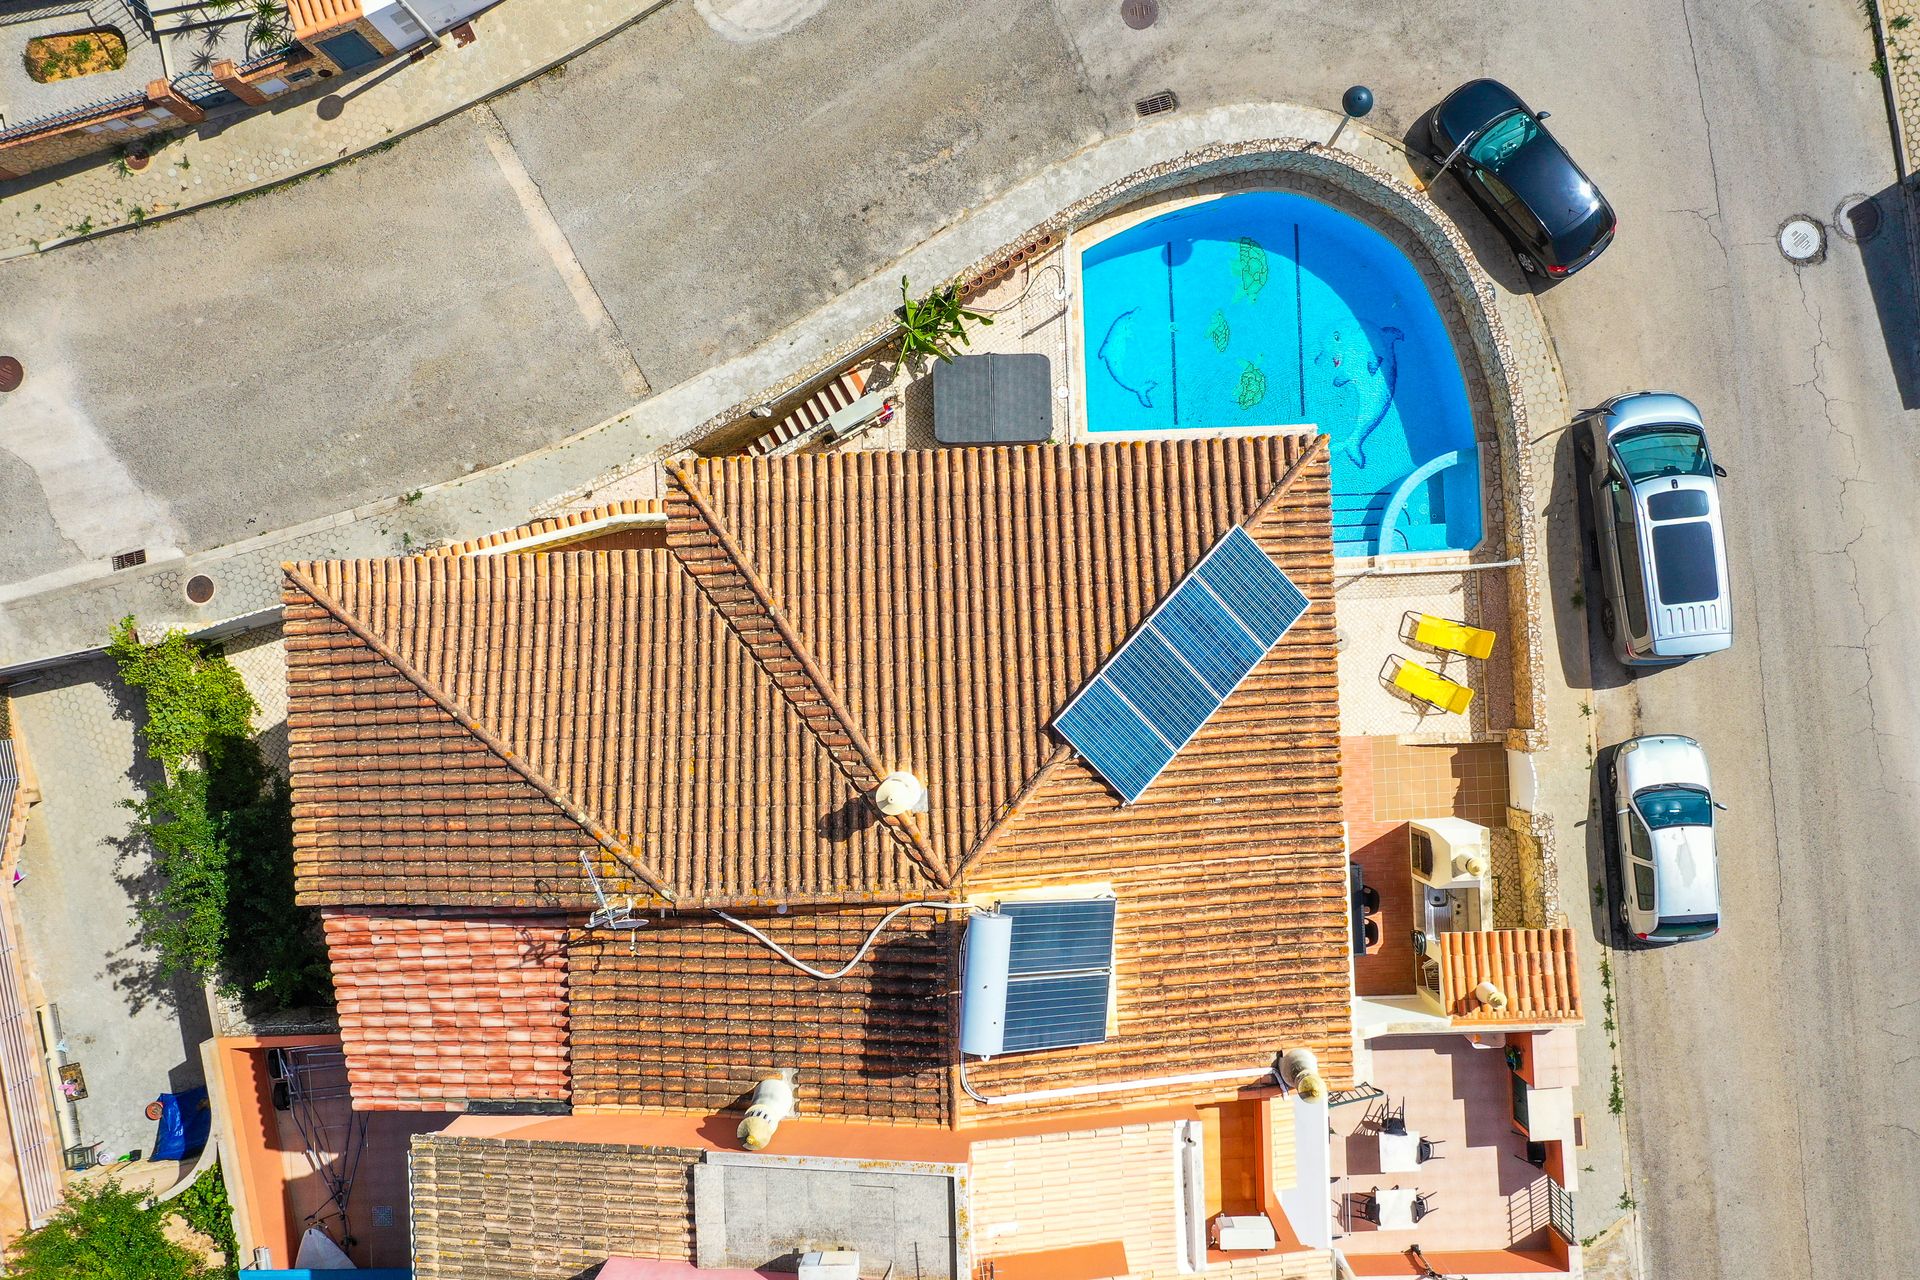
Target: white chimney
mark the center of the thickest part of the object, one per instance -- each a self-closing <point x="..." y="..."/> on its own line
<point x="1491" y="996"/>
<point x="772" y="1103"/>
<point x="900" y="792"/>
<point x="1300" y="1071"/>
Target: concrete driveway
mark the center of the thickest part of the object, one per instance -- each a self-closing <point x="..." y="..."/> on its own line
<point x="686" y="189"/>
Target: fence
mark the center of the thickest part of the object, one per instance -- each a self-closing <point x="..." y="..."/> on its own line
<point x="72" y="115"/>
<point x="1560" y="1211"/>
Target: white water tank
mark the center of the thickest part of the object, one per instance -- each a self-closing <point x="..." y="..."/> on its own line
<point x="900" y="792"/>
<point x="983" y="993"/>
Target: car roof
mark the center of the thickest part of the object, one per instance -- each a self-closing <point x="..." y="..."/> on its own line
<point x="1543" y="175"/>
<point x="1685" y="871"/>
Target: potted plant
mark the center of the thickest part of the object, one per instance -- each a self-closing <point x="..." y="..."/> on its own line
<point x="931" y="325"/>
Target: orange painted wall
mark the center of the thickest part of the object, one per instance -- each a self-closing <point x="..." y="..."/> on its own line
<point x="247" y="1100"/>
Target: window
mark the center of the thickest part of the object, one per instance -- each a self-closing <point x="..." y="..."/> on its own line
<point x="1499" y="141"/>
<point x="1059" y="973"/>
<point x="1643" y="886"/>
<point x="1675" y="807"/>
<point x="1676" y="504"/>
<point x="1656" y="452"/>
<point x="1684" y="563"/>
<point x="1626" y="535"/>
<point x="1638" y="840"/>
<point x="1688" y="927"/>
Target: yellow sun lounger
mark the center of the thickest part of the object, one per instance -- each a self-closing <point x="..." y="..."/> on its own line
<point x="1431" y="687"/>
<point x="1454" y="637"/>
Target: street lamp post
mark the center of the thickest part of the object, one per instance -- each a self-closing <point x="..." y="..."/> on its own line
<point x="1354" y="104"/>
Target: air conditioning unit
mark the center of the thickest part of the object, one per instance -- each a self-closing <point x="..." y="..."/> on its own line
<point x="1253" y="1234"/>
<point x="1450" y="853"/>
<point x="830" y="1264"/>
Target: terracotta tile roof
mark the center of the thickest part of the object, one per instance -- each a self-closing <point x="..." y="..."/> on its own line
<point x="704" y="719"/>
<point x="437" y="1012"/>
<point x="576" y="531"/>
<point x="1534" y="967"/>
<point x="510" y="1209"/>
<point x="310" y="17"/>
<point x="695" y="1015"/>
<point x="600" y="695"/>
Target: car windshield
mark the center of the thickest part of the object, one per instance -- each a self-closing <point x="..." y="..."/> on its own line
<point x="1499" y="141"/>
<point x="1675" y="807"/>
<point x="1654" y="452"/>
<point x="1686" y="926"/>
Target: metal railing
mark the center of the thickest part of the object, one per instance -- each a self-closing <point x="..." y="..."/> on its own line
<point x="268" y="58"/>
<point x="1560" y="1211"/>
<point x="72" y="115"/>
<point x="199" y="85"/>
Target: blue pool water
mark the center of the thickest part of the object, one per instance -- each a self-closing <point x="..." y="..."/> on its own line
<point x="1271" y="309"/>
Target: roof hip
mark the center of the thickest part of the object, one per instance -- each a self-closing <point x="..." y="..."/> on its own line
<point x="492" y="741"/>
<point x="739" y="596"/>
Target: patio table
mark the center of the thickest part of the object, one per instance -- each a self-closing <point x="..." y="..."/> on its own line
<point x="1396" y="1207"/>
<point x="1399" y="1152"/>
<point x="993" y="399"/>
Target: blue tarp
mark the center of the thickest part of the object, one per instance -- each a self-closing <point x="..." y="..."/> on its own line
<point x="185" y="1119"/>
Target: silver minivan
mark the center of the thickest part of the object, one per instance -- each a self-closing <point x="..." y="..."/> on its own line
<point x="1657" y="533"/>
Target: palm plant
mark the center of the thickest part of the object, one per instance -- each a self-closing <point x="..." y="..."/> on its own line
<point x="931" y="325"/>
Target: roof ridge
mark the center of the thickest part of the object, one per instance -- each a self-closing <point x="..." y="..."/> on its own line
<point x="492" y="741"/>
<point x="787" y="662"/>
<point x="1316" y="446"/>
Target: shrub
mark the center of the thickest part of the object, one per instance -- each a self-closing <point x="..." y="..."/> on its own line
<point x="204" y="1207"/>
<point x="104" y="1232"/>
<point x="220" y="823"/>
<point x="933" y="324"/>
<point x="194" y="696"/>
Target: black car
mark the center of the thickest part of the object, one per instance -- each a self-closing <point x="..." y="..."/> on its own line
<point x="1514" y="169"/>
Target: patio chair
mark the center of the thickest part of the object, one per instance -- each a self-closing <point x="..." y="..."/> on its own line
<point x="1422" y="1205"/>
<point x="1426" y="1149"/>
<point x="1448" y="636"/>
<point x="1369" y="1207"/>
<point x="1426" y="686"/>
<point x="1393" y="1119"/>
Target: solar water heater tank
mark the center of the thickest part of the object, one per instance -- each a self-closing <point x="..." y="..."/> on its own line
<point x="983" y="1000"/>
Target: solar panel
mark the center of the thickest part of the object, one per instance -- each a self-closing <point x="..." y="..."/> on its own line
<point x="1060" y="974"/>
<point x="1172" y="674"/>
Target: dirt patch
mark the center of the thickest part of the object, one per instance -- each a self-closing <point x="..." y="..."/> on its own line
<point x="79" y="53"/>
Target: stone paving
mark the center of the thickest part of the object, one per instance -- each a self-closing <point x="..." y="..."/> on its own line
<point x="1900" y="37"/>
<point x="133" y="1032"/>
<point x="298" y="134"/>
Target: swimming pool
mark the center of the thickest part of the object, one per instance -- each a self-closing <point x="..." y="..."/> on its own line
<point x="1265" y="309"/>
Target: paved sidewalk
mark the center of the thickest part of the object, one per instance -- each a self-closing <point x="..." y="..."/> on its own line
<point x="216" y="161"/>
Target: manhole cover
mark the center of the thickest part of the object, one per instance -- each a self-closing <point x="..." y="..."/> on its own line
<point x="1140" y="14"/>
<point x="1857" y="218"/>
<point x="1802" y="240"/>
<point x="199" y="588"/>
<point x="11" y="374"/>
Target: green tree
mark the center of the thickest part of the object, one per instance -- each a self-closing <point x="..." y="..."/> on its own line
<point x="220" y="823"/>
<point x="104" y="1232"/>
<point x="194" y="695"/>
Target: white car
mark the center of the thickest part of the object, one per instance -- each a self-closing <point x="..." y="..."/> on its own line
<point x="1663" y="819"/>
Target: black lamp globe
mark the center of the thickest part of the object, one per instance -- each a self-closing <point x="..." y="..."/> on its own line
<point x="1357" y="101"/>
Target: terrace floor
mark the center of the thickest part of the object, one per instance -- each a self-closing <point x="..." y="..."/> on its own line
<point x="1385" y="782"/>
<point x="1372" y="610"/>
<point x="1483" y="1192"/>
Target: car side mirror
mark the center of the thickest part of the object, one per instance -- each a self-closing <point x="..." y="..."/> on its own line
<point x="1720" y="471"/>
<point x="1542" y="115"/>
<point x="1722" y="808"/>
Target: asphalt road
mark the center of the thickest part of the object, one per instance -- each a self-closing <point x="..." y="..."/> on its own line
<point x="408" y="316"/>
